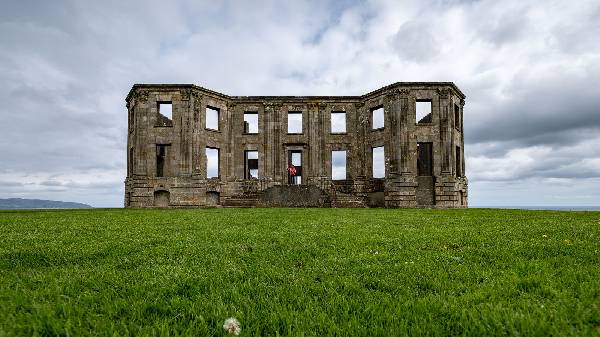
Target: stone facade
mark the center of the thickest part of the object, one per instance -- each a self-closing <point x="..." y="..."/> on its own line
<point x="167" y="161"/>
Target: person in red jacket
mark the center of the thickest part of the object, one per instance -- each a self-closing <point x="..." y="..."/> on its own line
<point x="292" y="173"/>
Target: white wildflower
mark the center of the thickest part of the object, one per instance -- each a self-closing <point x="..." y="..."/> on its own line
<point x="232" y="326"/>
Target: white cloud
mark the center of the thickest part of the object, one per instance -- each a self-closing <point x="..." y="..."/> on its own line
<point x="528" y="70"/>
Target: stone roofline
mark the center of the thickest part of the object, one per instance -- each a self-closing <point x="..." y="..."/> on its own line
<point x="448" y="85"/>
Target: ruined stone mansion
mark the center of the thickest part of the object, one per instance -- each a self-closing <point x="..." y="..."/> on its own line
<point x="398" y="146"/>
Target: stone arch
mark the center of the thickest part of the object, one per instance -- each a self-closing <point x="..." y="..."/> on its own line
<point x="162" y="198"/>
<point x="213" y="198"/>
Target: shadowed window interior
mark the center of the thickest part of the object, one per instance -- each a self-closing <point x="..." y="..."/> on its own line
<point x="458" y="162"/>
<point x="425" y="159"/>
<point x="165" y="114"/>
<point x="338" y="122"/>
<point x="377" y="118"/>
<point x="212" y="118"/>
<point x="212" y="162"/>
<point x="162" y="198"/>
<point x="294" y="122"/>
<point x="295" y="160"/>
<point x="456" y="117"/>
<point x="130" y="162"/>
<point x="250" y="164"/>
<point x="162" y="153"/>
<point x="250" y="122"/>
<point x="423" y="109"/>
<point x="338" y="165"/>
<point x="378" y="162"/>
<point x="132" y="120"/>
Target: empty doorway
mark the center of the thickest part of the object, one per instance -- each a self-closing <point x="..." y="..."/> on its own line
<point x="425" y="179"/>
<point x="162" y="198"/>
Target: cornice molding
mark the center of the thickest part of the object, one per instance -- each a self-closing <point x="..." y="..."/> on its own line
<point x="401" y="88"/>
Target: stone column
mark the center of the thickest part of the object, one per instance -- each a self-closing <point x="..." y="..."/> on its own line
<point x="361" y="138"/>
<point x="392" y="134"/>
<point x="445" y="131"/>
<point x="228" y="142"/>
<point x="185" y="107"/>
<point x="264" y="129"/>
<point x="462" y="136"/>
<point x="197" y="147"/>
<point x="142" y="142"/>
<point x="322" y="135"/>
<point x="275" y="146"/>
<point x="314" y="151"/>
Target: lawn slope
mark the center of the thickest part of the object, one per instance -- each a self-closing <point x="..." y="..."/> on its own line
<point x="312" y="272"/>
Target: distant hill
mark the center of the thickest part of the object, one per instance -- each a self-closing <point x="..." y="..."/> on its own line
<point x="18" y="203"/>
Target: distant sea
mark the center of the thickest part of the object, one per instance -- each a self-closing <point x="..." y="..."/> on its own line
<point x="552" y="208"/>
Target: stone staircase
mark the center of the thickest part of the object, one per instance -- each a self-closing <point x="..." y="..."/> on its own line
<point x="242" y="200"/>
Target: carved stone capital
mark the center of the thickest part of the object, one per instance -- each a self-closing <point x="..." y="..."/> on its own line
<point x="443" y="92"/>
<point x="462" y="102"/>
<point x="363" y="119"/>
<point x="141" y="95"/>
<point x="404" y="92"/>
<point x="272" y="106"/>
<point x="196" y="94"/>
<point x="359" y="105"/>
<point x="186" y="94"/>
<point x="338" y="107"/>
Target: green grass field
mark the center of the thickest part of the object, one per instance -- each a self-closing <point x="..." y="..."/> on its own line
<point x="311" y="272"/>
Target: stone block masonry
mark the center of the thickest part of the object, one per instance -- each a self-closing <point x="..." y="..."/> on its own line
<point x="398" y="146"/>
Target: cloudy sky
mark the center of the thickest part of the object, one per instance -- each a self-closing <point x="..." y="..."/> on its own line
<point x="530" y="70"/>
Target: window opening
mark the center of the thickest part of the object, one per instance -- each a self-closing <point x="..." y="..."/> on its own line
<point x="212" y="162"/>
<point x="294" y="122"/>
<point x="423" y="110"/>
<point x="425" y="159"/>
<point x="162" y="153"/>
<point x="212" y="118"/>
<point x="338" y="122"/>
<point x="294" y="168"/>
<point x="165" y="114"/>
<point x="456" y="117"/>
<point x="250" y="122"/>
<point x="458" y="162"/>
<point x="378" y="162"/>
<point x="338" y="165"/>
<point x="377" y="118"/>
<point x="250" y="164"/>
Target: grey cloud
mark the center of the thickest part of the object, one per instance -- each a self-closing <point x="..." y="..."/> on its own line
<point x="579" y="36"/>
<point x="415" y="42"/>
<point x="90" y="185"/>
<point x="539" y="111"/>
<point x="563" y="138"/>
<point x="11" y="184"/>
<point x="500" y="29"/>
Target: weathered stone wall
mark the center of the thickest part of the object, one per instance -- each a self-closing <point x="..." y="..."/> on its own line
<point x="294" y="196"/>
<point x="185" y="184"/>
